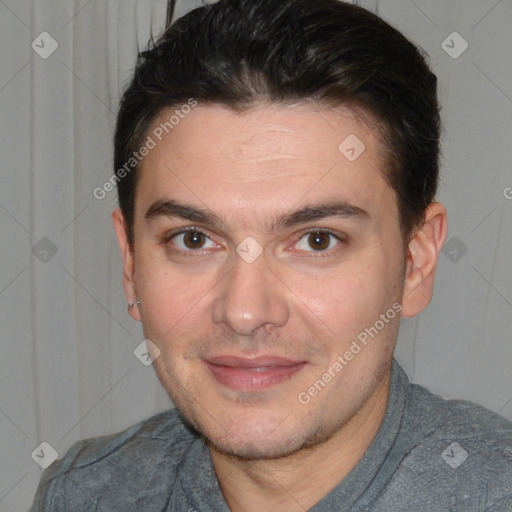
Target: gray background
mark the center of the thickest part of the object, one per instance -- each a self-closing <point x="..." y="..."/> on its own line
<point x="67" y="369"/>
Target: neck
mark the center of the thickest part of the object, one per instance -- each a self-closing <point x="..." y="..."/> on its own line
<point x="298" y="481"/>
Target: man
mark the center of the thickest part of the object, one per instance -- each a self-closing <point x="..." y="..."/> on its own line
<point x="277" y="163"/>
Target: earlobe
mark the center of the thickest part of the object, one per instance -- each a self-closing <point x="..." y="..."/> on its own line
<point x="422" y="256"/>
<point x="128" y="261"/>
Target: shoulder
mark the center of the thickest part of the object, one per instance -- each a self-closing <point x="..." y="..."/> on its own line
<point x="460" y="447"/>
<point x="432" y="416"/>
<point x="120" y="462"/>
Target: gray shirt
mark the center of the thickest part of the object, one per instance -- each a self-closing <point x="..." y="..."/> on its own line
<point x="430" y="455"/>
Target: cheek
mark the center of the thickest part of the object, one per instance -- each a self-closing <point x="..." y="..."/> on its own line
<point x="169" y="299"/>
<point x="345" y="296"/>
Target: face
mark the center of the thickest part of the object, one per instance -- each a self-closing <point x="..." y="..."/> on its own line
<point x="262" y="253"/>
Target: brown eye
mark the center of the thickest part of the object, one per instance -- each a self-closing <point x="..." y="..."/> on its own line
<point x="191" y="241"/>
<point x="194" y="239"/>
<point x="318" y="241"/>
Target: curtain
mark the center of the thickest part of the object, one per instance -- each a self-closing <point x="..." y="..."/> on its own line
<point x="67" y="337"/>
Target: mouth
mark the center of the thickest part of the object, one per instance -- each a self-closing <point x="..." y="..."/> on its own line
<point x="254" y="374"/>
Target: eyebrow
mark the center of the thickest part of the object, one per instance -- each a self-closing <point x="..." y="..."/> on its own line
<point x="341" y="209"/>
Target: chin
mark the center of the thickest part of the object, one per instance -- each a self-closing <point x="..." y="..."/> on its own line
<point x="247" y="436"/>
<point x="261" y="438"/>
<point x="257" y="448"/>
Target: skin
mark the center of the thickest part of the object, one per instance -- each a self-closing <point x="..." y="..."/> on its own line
<point x="270" y="451"/>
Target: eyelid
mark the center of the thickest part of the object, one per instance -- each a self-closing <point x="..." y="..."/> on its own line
<point x="182" y="230"/>
<point x="167" y="237"/>
<point x="339" y="237"/>
<point x="326" y="231"/>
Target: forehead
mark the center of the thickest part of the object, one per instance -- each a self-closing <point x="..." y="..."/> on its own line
<point x="263" y="159"/>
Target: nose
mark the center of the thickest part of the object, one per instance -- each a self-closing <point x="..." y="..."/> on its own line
<point x="251" y="297"/>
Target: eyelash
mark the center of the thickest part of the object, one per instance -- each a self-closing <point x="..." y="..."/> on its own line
<point x="317" y="254"/>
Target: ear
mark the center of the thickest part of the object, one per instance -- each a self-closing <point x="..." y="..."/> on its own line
<point x="128" y="262"/>
<point x="421" y="261"/>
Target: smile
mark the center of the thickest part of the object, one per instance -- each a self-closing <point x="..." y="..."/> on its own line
<point x="252" y="374"/>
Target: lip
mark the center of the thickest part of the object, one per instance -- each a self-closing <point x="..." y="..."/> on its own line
<point x="254" y="362"/>
<point x="255" y="374"/>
